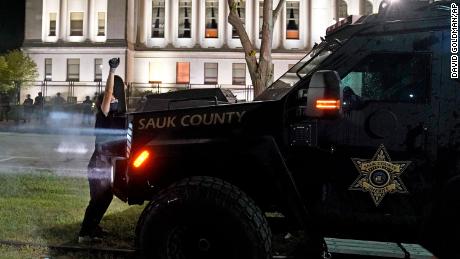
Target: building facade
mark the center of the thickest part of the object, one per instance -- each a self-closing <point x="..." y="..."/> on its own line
<point x="166" y="44"/>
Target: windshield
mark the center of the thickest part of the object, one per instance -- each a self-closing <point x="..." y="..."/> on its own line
<point x="303" y="68"/>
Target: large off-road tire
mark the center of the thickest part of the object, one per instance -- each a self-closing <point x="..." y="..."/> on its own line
<point x="203" y="217"/>
<point x="442" y="233"/>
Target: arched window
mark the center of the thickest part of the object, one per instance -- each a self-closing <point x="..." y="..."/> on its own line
<point x="343" y="9"/>
<point x="366" y="7"/>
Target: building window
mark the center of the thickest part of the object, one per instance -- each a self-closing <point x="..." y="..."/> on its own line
<point x="98" y="69"/>
<point x="48" y="69"/>
<point x="210" y="73"/>
<point x="292" y="20"/>
<point x="212" y="14"/>
<point x="185" y="18"/>
<point x="239" y="74"/>
<point x="158" y="19"/>
<point x="366" y="7"/>
<point x="52" y="31"/>
<point x="183" y="72"/>
<point x="241" y="10"/>
<point x="343" y="9"/>
<point x="76" y="24"/>
<point x="73" y="69"/>
<point x="261" y="18"/>
<point x="100" y="24"/>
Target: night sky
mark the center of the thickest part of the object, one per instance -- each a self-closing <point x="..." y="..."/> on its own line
<point x="11" y="24"/>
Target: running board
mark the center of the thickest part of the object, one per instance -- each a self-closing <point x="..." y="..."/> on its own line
<point x="378" y="249"/>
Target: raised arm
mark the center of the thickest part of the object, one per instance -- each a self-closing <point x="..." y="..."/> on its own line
<point x="105" y="105"/>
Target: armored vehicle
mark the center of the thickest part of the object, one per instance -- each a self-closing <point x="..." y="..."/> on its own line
<point x="358" y="140"/>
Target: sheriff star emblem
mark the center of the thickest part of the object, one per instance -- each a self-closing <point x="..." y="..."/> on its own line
<point x="380" y="175"/>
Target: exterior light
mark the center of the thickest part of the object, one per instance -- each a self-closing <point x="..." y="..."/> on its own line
<point x="328" y="104"/>
<point x="141" y="159"/>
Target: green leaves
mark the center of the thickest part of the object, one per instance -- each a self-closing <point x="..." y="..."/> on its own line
<point x="16" y="66"/>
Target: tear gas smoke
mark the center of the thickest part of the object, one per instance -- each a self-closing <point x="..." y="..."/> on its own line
<point x="60" y="142"/>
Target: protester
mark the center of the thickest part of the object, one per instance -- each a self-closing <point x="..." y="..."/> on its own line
<point x="38" y="106"/>
<point x="87" y="110"/>
<point x="4" y="106"/>
<point x="99" y="166"/>
<point x="58" y="99"/>
<point x="28" y="106"/>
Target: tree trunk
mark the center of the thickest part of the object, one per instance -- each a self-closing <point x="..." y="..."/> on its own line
<point x="260" y="70"/>
<point x="17" y="85"/>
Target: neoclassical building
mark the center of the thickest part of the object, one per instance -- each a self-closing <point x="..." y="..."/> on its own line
<point x="166" y="44"/>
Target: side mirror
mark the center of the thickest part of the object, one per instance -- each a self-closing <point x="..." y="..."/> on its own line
<point x="323" y="95"/>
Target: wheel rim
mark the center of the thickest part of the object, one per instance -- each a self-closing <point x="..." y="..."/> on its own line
<point x="196" y="242"/>
<point x="202" y="236"/>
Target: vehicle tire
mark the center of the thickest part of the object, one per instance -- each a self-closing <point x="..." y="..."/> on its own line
<point x="442" y="235"/>
<point x="203" y="217"/>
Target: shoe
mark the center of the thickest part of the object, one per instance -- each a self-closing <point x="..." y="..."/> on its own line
<point x="89" y="239"/>
<point x="93" y="236"/>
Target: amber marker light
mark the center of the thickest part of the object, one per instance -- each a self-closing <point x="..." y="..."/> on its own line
<point x="141" y="159"/>
<point x="328" y="104"/>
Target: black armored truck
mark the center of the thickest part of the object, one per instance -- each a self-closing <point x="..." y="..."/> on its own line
<point x="359" y="140"/>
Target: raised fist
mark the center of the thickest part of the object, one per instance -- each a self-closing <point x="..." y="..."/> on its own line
<point x="114" y="62"/>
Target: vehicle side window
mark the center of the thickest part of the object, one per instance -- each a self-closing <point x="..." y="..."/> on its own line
<point x="392" y="77"/>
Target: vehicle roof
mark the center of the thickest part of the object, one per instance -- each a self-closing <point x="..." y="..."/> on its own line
<point x="401" y="11"/>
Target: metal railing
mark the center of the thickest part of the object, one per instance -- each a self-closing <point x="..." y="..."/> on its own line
<point x="74" y="92"/>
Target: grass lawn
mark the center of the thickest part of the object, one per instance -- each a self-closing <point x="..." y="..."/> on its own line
<point x="40" y="207"/>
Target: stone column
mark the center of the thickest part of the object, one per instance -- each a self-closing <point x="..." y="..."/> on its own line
<point x="141" y="22"/>
<point x="170" y="29"/>
<point x="281" y="24"/>
<point x="224" y="23"/>
<point x="131" y="22"/>
<point x="353" y="7"/>
<point x="196" y="17"/>
<point x="63" y="20"/>
<point x="334" y="10"/>
<point x="320" y="20"/>
<point x="90" y="20"/>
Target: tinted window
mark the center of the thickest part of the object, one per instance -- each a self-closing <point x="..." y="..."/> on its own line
<point x="393" y="77"/>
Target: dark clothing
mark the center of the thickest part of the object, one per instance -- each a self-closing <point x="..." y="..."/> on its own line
<point x="87" y="111"/>
<point x="38" y="101"/>
<point x="99" y="177"/>
<point x="38" y="107"/>
<point x="103" y="122"/>
<point x="28" y="109"/>
<point x="87" y="106"/>
<point x="58" y="100"/>
<point x="4" y="107"/>
<point x="28" y="102"/>
<point x="100" y="192"/>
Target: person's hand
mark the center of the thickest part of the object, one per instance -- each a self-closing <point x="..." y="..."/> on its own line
<point x="113" y="63"/>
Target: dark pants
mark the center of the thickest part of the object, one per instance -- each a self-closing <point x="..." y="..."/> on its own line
<point x="4" y="110"/>
<point x="100" y="192"/>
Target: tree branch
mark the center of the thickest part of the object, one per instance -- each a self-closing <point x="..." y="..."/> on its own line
<point x="277" y="11"/>
<point x="267" y="31"/>
<point x="248" y="47"/>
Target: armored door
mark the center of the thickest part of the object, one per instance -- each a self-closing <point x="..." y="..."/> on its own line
<point x="382" y="141"/>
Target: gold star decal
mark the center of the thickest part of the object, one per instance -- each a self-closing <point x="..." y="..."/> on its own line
<point x="380" y="175"/>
